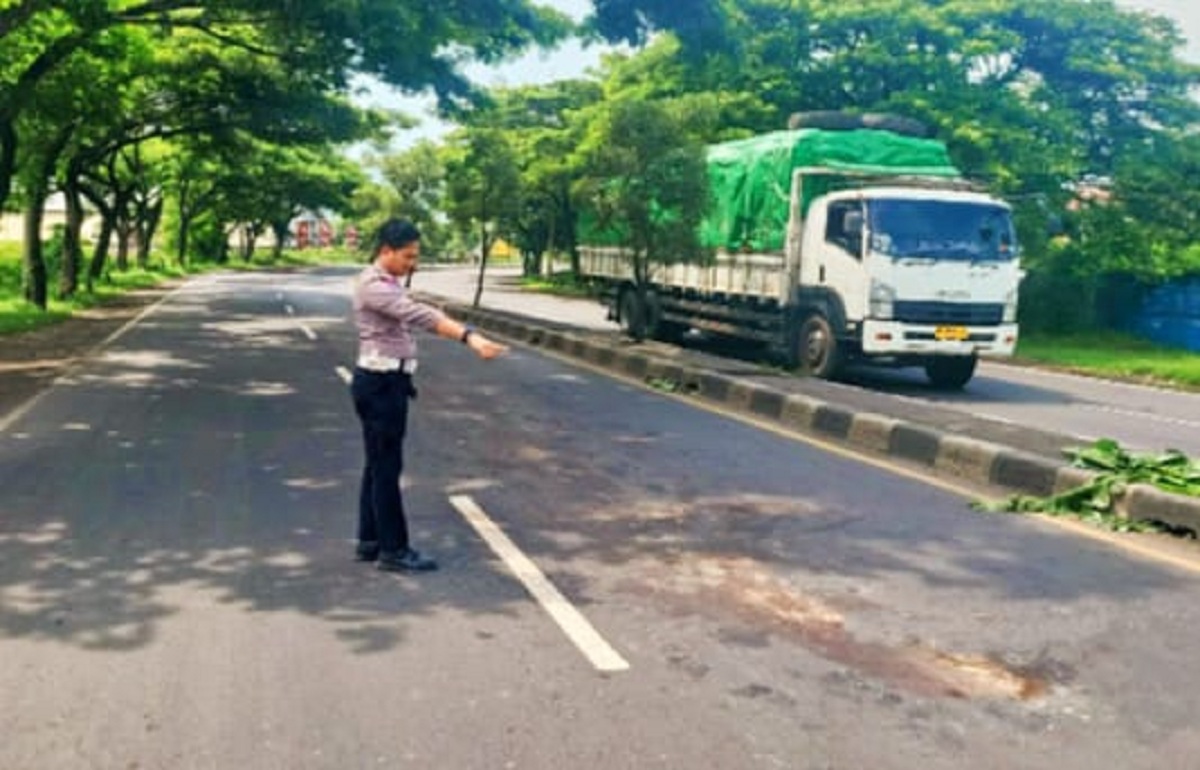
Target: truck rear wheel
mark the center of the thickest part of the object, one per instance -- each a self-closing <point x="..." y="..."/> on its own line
<point x="817" y="350"/>
<point x="950" y="372"/>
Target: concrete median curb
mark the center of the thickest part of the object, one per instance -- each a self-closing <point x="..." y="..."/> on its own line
<point x="976" y="461"/>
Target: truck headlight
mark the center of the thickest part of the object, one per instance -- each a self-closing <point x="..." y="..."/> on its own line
<point x="883" y="297"/>
<point x="1010" y="307"/>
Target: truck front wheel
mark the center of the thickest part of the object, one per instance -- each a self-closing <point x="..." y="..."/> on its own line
<point x="817" y="351"/>
<point x="950" y="372"/>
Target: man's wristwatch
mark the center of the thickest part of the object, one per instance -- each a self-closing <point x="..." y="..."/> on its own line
<point x="466" y="335"/>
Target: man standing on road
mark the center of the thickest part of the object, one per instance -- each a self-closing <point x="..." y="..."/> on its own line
<point x="386" y="315"/>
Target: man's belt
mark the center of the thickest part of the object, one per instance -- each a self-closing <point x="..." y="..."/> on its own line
<point x="377" y="363"/>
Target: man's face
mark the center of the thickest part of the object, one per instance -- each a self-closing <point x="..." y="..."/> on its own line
<point x="402" y="260"/>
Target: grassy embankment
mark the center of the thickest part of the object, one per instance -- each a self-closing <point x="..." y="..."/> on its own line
<point x="1114" y="355"/>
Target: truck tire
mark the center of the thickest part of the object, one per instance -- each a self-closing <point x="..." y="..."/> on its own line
<point x="817" y="351"/>
<point x="950" y="372"/>
<point x="831" y="120"/>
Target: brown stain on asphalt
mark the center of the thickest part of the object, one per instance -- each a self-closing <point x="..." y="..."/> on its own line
<point x="744" y="588"/>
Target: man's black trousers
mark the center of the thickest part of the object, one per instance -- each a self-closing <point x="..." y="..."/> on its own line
<point x="381" y="402"/>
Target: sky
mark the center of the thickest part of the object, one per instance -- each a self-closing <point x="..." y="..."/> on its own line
<point x="573" y="60"/>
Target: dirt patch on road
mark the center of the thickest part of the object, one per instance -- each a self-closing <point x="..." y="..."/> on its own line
<point x="744" y="589"/>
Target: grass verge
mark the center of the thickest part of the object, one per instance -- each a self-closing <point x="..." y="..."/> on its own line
<point x="1117" y="356"/>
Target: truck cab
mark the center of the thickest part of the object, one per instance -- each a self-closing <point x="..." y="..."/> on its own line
<point x="906" y="276"/>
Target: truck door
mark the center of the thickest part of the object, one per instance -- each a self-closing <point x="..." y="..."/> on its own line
<point x="840" y="263"/>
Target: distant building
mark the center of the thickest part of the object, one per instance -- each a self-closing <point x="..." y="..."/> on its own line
<point x="12" y="223"/>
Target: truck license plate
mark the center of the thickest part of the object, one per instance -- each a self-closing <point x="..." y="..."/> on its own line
<point x="950" y="333"/>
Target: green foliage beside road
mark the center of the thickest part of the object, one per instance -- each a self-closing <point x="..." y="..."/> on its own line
<point x="1113" y="355"/>
<point x="1115" y="471"/>
<point x="18" y="314"/>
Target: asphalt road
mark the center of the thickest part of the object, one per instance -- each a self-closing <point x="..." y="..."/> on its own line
<point x="1142" y="418"/>
<point x="176" y="589"/>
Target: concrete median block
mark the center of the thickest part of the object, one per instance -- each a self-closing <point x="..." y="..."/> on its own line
<point x="1025" y="472"/>
<point x="602" y="355"/>
<point x="690" y="380"/>
<point x="767" y="403"/>
<point x="635" y="364"/>
<point x="966" y="458"/>
<point x="914" y="442"/>
<point x="715" y="387"/>
<point x="665" y="371"/>
<point x="556" y="341"/>
<point x="740" y="394"/>
<point x="872" y="431"/>
<point x="833" y="420"/>
<point x="799" y="411"/>
<point x="1068" y="478"/>
<point x="1147" y="503"/>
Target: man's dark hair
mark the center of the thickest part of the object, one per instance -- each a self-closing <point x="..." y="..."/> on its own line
<point x="396" y="234"/>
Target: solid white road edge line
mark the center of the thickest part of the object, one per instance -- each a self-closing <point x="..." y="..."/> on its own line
<point x="569" y="619"/>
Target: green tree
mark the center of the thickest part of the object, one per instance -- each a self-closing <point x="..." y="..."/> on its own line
<point x="417" y="177"/>
<point x="483" y="190"/>
<point x="645" y="183"/>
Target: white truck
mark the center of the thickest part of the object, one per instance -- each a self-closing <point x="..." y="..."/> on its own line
<point x="832" y="247"/>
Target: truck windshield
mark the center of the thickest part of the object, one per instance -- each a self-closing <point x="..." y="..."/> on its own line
<point x="950" y="230"/>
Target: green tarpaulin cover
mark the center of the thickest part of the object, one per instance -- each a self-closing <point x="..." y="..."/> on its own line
<point x="751" y="179"/>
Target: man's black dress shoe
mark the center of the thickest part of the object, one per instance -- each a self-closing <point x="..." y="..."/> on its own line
<point x="407" y="560"/>
<point x="367" y="550"/>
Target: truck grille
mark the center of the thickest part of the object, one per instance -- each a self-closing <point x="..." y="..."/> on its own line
<point x="962" y="313"/>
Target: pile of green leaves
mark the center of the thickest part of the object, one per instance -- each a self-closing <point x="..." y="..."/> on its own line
<point x="1116" y="469"/>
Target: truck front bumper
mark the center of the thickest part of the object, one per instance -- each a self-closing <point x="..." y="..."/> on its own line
<point x="905" y="339"/>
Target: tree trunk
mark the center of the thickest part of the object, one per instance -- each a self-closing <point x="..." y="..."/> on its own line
<point x="100" y="256"/>
<point x="150" y="215"/>
<point x="184" y="228"/>
<point x="485" y="247"/>
<point x="281" y="233"/>
<point x="72" y="242"/>
<point x="34" y="262"/>
<point x="124" y="231"/>
<point x="185" y="221"/>
<point x="546" y="258"/>
<point x="249" y="241"/>
<point x="8" y="157"/>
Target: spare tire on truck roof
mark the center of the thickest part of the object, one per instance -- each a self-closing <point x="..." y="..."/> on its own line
<point x="832" y="120"/>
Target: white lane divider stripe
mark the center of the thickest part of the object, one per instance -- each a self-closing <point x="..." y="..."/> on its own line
<point x="1182" y="421"/>
<point x="344" y="373"/>
<point x="308" y="332"/>
<point x="569" y="619"/>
